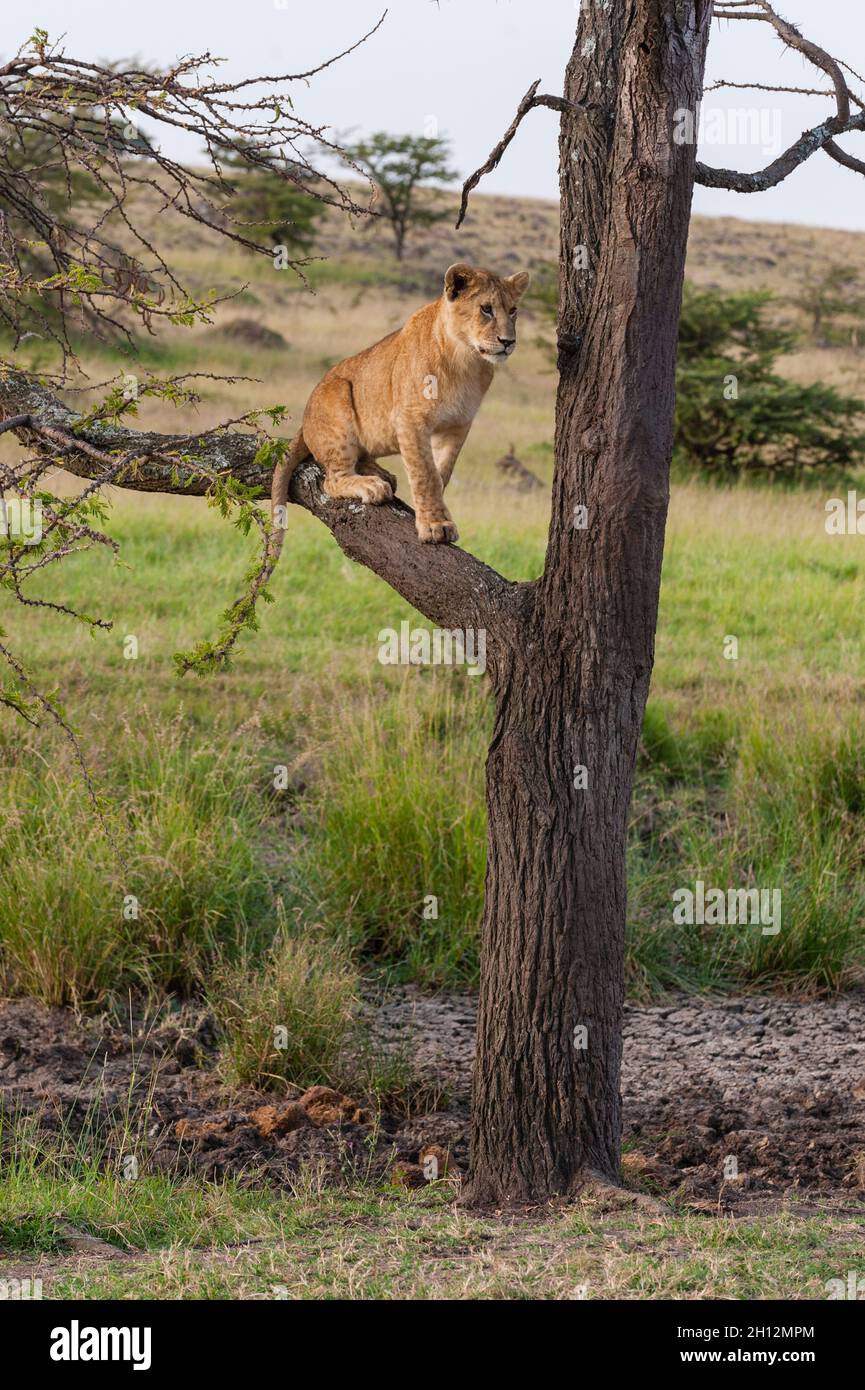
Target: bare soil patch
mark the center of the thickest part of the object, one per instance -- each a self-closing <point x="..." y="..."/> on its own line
<point x="777" y="1085"/>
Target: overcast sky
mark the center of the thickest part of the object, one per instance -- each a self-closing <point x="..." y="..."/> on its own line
<point x="466" y="63"/>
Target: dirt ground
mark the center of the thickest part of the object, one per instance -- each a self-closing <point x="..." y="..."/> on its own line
<point x="776" y="1085"/>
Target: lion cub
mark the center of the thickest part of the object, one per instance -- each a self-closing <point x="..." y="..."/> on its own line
<point x="415" y="393"/>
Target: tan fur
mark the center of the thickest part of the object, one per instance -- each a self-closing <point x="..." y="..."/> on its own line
<point x="415" y="393"/>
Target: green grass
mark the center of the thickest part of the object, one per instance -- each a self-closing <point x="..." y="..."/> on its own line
<point x="750" y="774"/>
<point x="148" y="894"/>
<point x="224" y="1243"/>
<point x="53" y="1191"/>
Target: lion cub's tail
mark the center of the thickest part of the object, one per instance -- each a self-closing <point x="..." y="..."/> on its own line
<point x="282" y="475"/>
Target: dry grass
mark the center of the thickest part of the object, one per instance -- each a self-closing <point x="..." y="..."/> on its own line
<point x="424" y="1246"/>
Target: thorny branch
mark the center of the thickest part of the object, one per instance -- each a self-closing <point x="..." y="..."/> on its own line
<point x="528" y="103"/>
<point x="820" y="137"/>
<point x="76" y="158"/>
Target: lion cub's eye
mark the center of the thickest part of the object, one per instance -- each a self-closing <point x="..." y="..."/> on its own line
<point x="487" y="309"/>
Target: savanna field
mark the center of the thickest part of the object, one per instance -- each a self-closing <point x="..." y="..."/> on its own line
<point x="283" y="827"/>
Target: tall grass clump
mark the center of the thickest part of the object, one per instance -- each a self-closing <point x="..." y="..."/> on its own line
<point x="146" y="898"/>
<point x="285" y="1019"/>
<point x="800" y="827"/>
<point x="397" y="853"/>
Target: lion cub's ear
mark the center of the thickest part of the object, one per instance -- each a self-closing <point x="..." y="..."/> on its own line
<point x="519" y="283"/>
<point x="457" y="278"/>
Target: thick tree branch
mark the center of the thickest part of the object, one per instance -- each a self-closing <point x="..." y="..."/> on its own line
<point x="448" y="585"/>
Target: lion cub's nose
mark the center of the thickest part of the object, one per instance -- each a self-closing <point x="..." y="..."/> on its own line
<point x="507" y="342"/>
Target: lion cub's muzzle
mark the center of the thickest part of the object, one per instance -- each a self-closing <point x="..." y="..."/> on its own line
<point x="497" y="353"/>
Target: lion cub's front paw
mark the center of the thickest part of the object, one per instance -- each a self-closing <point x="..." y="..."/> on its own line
<point x="371" y="469"/>
<point x="436" y="530"/>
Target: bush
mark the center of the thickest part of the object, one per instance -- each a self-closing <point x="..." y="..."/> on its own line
<point x="735" y="416"/>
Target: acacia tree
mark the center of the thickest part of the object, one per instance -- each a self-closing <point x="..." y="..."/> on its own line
<point x="569" y="655"/>
<point x="825" y="297"/>
<point x="400" y="165"/>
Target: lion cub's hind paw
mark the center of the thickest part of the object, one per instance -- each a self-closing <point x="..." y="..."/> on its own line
<point x="436" y="532"/>
<point x="372" y="491"/>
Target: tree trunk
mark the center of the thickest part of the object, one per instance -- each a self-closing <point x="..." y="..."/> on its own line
<point x="571" y="690"/>
<point x="546" y="1102"/>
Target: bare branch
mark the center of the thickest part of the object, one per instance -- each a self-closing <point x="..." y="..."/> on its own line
<point x="74" y="156"/>
<point x="529" y="101"/>
<point x="742" y="182"/>
<point x="817" y="55"/>
<point x="724" y="82"/>
<point x="764" y="87"/>
<point x="842" y="157"/>
<point x="819" y="137"/>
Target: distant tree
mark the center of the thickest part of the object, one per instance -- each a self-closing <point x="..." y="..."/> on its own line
<point x="736" y="415"/>
<point x="826" y="297"/>
<point x="398" y="166"/>
<point x="279" y="206"/>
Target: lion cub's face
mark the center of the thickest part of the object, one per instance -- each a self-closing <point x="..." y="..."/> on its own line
<point x="482" y="309"/>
